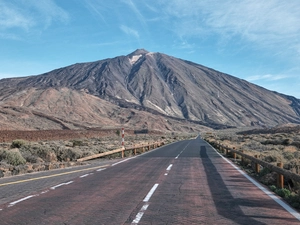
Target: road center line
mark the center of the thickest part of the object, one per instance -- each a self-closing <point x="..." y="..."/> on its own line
<point x="182" y="151"/>
<point x="20" y="200"/>
<point x="150" y="193"/>
<point x="59" y="185"/>
<point x="140" y="214"/>
<point x="169" y="167"/>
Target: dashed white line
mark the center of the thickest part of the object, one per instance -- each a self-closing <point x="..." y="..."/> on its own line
<point x="169" y="167"/>
<point x="182" y="151"/>
<point x="150" y="193"/>
<point x="59" y="185"/>
<point x="85" y="175"/>
<point x="100" y="169"/>
<point x="20" y="200"/>
<point x="140" y="214"/>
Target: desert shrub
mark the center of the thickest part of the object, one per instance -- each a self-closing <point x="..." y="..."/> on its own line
<point x="264" y="172"/>
<point x="68" y="154"/>
<point x="13" y="157"/>
<point x="273" y="188"/>
<point x="273" y="156"/>
<point x="18" y="143"/>
<point x="287" y="141"/>
<point x="77" y="143"/>
<point x="46" y="154"/>
<point x="283" y="192"/>
<point x="288" y="155"/>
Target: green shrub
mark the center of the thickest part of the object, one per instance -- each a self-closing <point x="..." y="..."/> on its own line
<point x="77" y="143"/>
<point x="18" y="143"/>
<point x="13" y="157"/>
<point x="283" y="192"/>
<point x="273" y="188"/>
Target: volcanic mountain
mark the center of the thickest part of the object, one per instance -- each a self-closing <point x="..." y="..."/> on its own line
<point x="144" y="90"/>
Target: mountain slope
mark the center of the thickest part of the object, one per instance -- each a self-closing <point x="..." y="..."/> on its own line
<point x="151" y="83"/>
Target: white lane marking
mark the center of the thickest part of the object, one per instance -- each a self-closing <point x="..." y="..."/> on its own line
<point x="20" y="200"/>
<point x="266" y="191"/>
<point x="123" y="161"/>
<point x="166" y="174"/>
<point x="100" y="169"/>
<point x="59" y="185"/>
<point x="85" y="175"/>
<point x="182" y="151"/>
<point x="169" y="167"/>
<point x="139" y="216"/>
<point x="44" y="192"/>
<point x="150" y="193"/>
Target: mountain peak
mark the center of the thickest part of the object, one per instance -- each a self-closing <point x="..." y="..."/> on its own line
<point x="138" y="52"/>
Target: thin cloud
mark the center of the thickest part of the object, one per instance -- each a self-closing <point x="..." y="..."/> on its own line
<point x="272" y="24"/>
<point x="29" y="15"/>
<point x="267" y="77"/>
<point x="130" y="31"/>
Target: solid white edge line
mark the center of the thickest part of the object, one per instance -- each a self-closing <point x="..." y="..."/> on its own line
<point x="169" y="167"/>
<point x="150" y="193"/>
<point x="266" y="191"/>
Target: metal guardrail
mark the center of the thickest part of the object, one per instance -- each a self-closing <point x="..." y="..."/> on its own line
<point x="278" y="169"/>
<point x="144" y="148"/>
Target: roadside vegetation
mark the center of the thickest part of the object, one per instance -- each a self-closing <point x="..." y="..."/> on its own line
<point x="273" y="146"/>
<point x="20" y="156"/>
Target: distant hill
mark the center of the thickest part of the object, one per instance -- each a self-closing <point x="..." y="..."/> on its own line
<point x="143" y="89"/>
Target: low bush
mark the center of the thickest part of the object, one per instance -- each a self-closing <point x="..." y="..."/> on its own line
<point x="13" y="157"/>
<point x="18" y="143"/>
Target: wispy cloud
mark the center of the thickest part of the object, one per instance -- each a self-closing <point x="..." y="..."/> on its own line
<point x="29" y="15"/>
<point x="271" y="24"/>
<point x="268" y="77"/>
<point x="130" y="31"/>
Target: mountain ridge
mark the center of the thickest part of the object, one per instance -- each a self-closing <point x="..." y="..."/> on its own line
<point x="160" y="85"/>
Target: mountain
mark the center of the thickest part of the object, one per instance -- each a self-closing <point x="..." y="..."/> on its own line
<point x="143" y="90"/>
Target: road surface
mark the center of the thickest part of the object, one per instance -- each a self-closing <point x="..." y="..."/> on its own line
<point x="186" y="182"/>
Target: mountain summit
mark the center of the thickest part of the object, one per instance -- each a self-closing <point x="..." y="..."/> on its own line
<point x="142" y="89"/>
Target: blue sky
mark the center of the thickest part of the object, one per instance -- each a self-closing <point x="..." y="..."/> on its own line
<point x="255" y="40"/>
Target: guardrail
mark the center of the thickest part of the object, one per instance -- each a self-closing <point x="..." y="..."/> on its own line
<point x="278" y="169"/>
<point x="134" y="149"/>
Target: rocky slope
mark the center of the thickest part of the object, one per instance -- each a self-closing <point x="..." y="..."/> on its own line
<point x="142" y="89"/>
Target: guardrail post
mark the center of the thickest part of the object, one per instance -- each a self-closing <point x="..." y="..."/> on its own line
<point x="135" y="151"/>
<point x="234" y="154"/>
<point x="122" y="153"/>
<point x="280" y="178"/>
<point x="242" y="160"/>
<point x="257" y="167"/>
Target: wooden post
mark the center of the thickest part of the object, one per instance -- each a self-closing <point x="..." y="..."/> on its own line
<point x="257" y="167"/>
<point x="123" y="154"/>
<point x="280" y="178"/>
<point x="234" y="156"/>
<point x="242" y="160"/>
<point x="135" y="151"/>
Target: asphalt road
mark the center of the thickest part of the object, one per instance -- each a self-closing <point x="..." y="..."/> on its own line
<point x="186" y="182"/>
